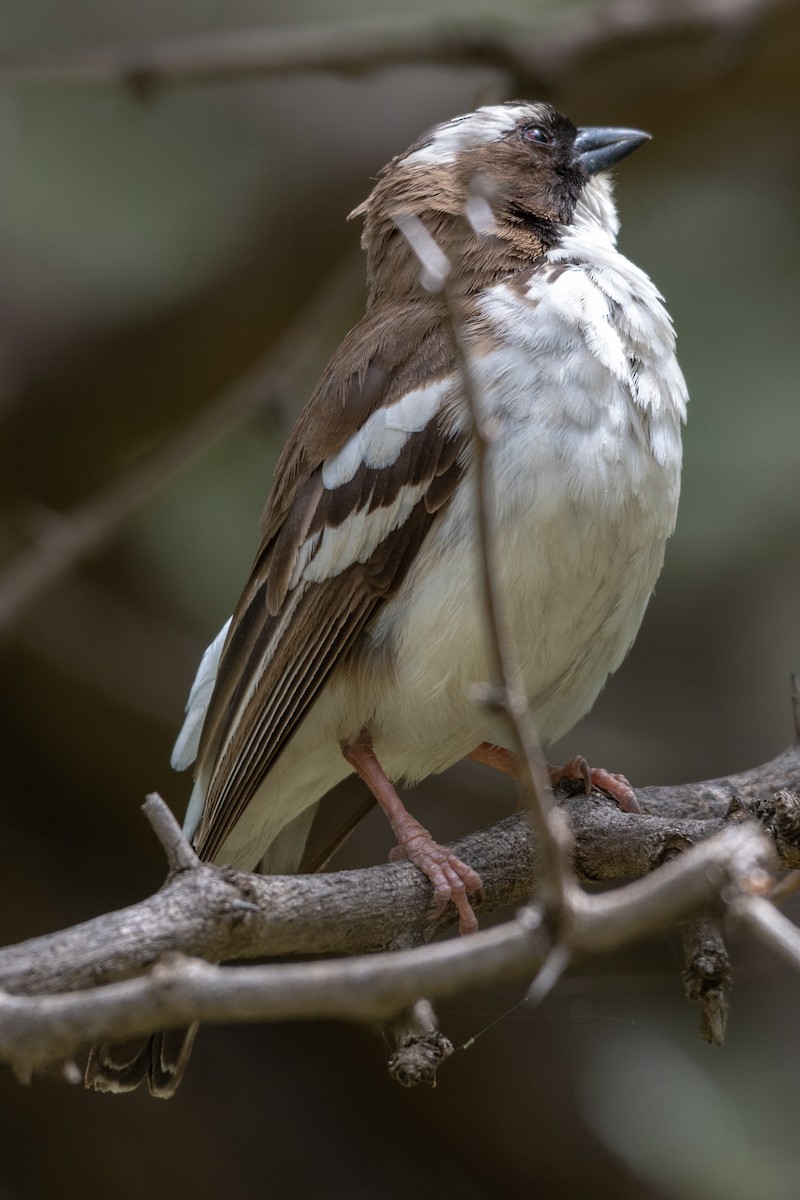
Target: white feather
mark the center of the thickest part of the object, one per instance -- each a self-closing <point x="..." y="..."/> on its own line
<point x="383" y="435"/>
<point x="339" y="468"/>
<point x="357" y="538"/>
<point x="185" y="750"/>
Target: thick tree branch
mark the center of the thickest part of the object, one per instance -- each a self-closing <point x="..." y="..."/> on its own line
<point x="38" y="1030"/>
<point x="210" y="912"/>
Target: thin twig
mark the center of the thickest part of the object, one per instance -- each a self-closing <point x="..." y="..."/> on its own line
<point x="548" y="975"/>
<point x="507" y="692"/>
<point x="786" y="887"/>
<point x="761" y="918"/>
<point x="75" y="536"/>
<point x="511" y="696"/>
<point x="180" y="855"/>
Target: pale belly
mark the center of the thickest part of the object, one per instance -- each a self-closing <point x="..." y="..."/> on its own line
<point x="574" y="591"/>
<point x="577" y="557"/>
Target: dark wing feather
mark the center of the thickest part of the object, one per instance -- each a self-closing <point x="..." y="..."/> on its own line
<point x="287" y="637"/>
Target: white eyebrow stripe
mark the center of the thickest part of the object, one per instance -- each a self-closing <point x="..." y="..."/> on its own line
<point x="487" y="124"/>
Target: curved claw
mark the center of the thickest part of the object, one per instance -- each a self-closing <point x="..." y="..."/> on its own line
<point x="616" y="787"/>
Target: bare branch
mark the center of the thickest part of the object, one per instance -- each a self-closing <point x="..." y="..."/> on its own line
<point x="218" y="914"/>
<point x="41" y="1029"/>
<point x="707" y="975"/>
<point x="178" y="849"/>
<point x="75" y="536"/>
<point x="762" y="918"/>
<point x="421" y="1047"/>
<point x="535" y="58"/>
<point x="712" y="797"/>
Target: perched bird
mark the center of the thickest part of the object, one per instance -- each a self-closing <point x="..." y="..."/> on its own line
<point x="360" y="631"/>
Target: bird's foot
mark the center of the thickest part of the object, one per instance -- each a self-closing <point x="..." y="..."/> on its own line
<point x="614" y="786"/>
<point x="453" y="880"/>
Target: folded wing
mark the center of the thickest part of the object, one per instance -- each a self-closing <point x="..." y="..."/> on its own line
<point x="375" y="454"/>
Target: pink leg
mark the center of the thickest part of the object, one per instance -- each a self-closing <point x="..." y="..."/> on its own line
<point x="451" y="878"/>
<point x="615" y="786"/>
<point x="495" y="756"/>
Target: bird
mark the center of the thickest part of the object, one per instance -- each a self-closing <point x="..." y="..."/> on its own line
<point x="360" y="633"/>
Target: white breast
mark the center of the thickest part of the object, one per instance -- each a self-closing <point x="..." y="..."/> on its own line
<point x="587" y="400"/>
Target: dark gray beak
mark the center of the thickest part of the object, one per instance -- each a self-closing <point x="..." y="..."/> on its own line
<point x="598" y="149"/>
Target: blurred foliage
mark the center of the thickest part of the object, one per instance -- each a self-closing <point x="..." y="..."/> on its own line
<point x="152" y="252"/>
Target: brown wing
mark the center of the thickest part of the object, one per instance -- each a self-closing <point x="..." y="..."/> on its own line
<point x="330" y="555"/>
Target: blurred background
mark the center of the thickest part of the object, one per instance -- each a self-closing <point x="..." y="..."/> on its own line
<point x="161" y="251"/>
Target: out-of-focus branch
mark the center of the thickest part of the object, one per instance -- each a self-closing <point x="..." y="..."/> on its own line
<point x="762" y="919"/>
<point x="75" y="536"/>
<point x="535" y="57"/>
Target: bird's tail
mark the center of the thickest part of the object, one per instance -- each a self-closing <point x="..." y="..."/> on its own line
<point x="158" y="1060"/>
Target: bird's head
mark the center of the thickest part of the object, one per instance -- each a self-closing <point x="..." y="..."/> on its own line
<point x="494" y="188"/>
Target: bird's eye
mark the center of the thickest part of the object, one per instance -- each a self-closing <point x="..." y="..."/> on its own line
<point x="535" y="133"/>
